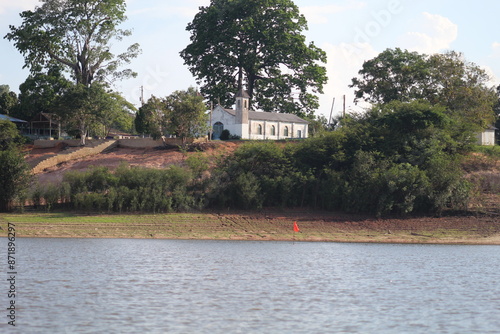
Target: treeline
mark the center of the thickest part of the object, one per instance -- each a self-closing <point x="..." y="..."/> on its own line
<point x="400" y="158"/>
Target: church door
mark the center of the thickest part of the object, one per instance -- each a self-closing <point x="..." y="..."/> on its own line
<point x="218" y="128"/>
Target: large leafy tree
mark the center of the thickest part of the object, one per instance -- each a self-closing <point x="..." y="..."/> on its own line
<point x="40" y="90"/>
<point x="463" y="87"/>
<point x="150" y="118"/>
<point x="8" y="100"/>
<point x="446" y="79"/>
<point x="76" y="34"/>
<point x="81" y="107"/>
<point x="118" y="115"/>
<point x="258" y="44"/>
<point x="186" y="114"/>
<point x="393" y="75"/>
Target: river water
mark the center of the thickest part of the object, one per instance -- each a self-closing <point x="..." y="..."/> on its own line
<point x="180" y="286"/>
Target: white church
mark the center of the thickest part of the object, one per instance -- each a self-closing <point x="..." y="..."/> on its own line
<point x="256" y="125"/>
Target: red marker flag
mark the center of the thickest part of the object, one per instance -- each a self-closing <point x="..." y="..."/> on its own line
<point x="296" y="227"/>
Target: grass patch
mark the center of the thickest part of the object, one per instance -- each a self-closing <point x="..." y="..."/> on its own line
<point x="491" y="151"/>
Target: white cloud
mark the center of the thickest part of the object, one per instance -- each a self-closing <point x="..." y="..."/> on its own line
<point x="344" y="62"/>
<point x="435" y="33"/>
<point x="17" y="5"/>
<point x="319" y="14"/>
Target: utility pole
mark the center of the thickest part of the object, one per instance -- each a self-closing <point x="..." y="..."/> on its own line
<point x="343" y="113"/>
<point x="331" y="112"/>
<point x="211" y="126"/>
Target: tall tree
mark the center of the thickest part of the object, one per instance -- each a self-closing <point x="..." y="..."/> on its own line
<point x="40" y="90"/>
<point x="76" y="34"/>
<point x="81" y="107"/>
<point x="8" y="101"/>
<point x="186" y="114"/>
<point x="4" y="89"/>
<point x="118" y="114"/>
<point x="446" y="79"/>
<point x="463" y="87"/>
<point x="150" y="118"/>
<point x="260" y="44"/>
<point x="393" y="75"/>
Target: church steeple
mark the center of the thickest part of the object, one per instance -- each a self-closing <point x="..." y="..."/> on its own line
<point x="242" y="105"/>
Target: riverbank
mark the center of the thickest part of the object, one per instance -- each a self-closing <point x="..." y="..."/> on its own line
<point x="262" y="226"/>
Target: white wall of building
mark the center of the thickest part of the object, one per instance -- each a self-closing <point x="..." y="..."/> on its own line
<point x="263" y="130"/>
<point x="486" y="137"/>
<point x="282" y="130"/>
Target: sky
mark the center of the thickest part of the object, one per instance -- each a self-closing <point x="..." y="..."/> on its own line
<point x="349" y="31"/>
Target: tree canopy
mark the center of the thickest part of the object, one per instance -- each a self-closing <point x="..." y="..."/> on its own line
<point x="446" y="79"/>
<point x="186" y="112"/>
<point x="76" y="34"/>
<point x="15" y="175"/>
<point x="8" y="100"/>
<point x="81" y="107"/>
<point x="40" y="90"/>
<point x="258" y="44"/>
<point x="182" y="114"/>
<point x="150" y="118"/>
<point x="9" y="135"/>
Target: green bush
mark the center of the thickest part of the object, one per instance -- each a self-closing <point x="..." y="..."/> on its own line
<point x="51" y="195"/>
<point x="491" y="151"/>
<point x="15" y="178"/>
<point x="225" y="134"/>
<point x="132" y="189"/>
<point x="247" y="191"/>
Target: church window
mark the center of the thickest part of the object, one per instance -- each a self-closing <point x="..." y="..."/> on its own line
<point x="259" y="129"/>
<point x="286" y="131"/>
<point x="273" y="130"/>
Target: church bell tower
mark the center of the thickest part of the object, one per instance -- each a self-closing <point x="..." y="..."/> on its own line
<point x="242" y="105"/>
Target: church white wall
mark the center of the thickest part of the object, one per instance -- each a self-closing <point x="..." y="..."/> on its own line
<point x="263" y="130"/>
<point x="251" y="130"/>
<point x="222" y="116"/>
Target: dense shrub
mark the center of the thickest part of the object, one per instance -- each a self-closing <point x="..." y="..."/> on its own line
<point x="130" y="189"/>
<point x="15" y="178"/>
<point x="225" y="134"/>
<point x="257" y="174"/>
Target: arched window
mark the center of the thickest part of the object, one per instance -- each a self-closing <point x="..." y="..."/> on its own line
<point x="286" y="131"/>
<point x="259" y="129"/>
<point x="273" y="130"/>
